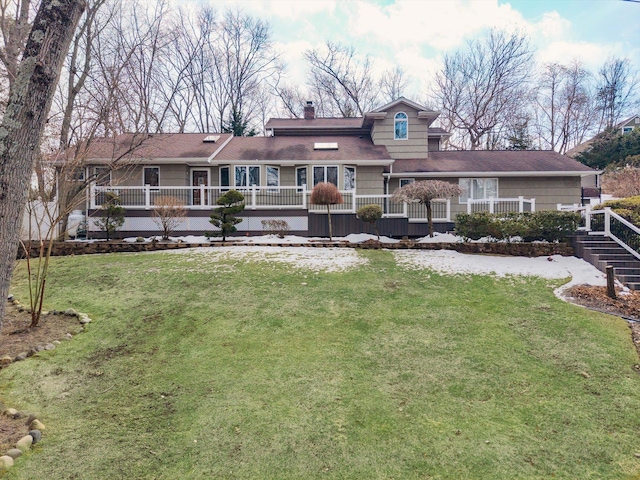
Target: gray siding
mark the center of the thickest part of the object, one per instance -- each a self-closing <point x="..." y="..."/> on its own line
<point x="369" y="180"/>
<point x="416" y="146"/>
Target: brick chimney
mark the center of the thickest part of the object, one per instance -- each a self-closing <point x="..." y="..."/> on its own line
<point x="309" y="111"/>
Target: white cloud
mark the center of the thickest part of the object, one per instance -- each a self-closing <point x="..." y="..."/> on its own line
<point x="591" y="55"/>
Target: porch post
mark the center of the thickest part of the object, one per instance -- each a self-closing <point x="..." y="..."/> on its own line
<point x="202" y="202"/>
<point x="304" y="196"/>
<point x="587" y="218"/>
<point x="607" y="221"/>
<point x="147" y="196"/>
<point x="533" y="205"/>
<point x="353" y="200"/>
<point x="520" y="204"/>
<point x="92" y="195"/>
<point x="491" y="205"/>
<point x="253" y="197"/>
<point x="469" y="206"/>
<point x="405" y="210"/>
<point x="448" y="209"/>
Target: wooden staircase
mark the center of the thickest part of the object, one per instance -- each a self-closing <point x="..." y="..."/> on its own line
<point x="601" y="251"/>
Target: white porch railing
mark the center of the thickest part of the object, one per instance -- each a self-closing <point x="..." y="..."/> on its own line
<point x="501" y="205"/>
<point x="610" y="224"/>
<point x="262" y="198"/>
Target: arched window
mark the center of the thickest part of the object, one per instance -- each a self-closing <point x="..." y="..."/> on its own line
<point x="400" y="126"/>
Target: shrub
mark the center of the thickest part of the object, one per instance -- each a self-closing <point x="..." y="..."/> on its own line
<point x="223" y="218"/>
<point x="550" y="226"/>
<point x="370" y="214"/>
<point x="112" y="217"/>
<point x="275" y="227"/>
<point x="167" y="214"/>
<point x="627" y="208"/>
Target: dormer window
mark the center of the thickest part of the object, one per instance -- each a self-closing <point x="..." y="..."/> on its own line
<point x="400" y="126"/>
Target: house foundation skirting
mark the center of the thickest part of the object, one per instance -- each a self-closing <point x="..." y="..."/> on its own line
<point x="300" y="222"/>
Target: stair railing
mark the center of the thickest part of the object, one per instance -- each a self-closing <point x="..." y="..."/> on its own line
<point x="610" y="224"/>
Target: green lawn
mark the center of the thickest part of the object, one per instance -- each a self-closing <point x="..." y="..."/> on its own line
<point x="232" y="369"/>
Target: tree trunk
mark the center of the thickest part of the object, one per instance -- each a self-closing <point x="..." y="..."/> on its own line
<point x="30" y="99"/>
<point x="329" y="218"/>
<point x="429" y="217"/>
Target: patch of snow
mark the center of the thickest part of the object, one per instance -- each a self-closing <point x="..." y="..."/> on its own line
<point x="320" y="259"/>
<point x="363" y="237"/>
<point x="440" y="238"/>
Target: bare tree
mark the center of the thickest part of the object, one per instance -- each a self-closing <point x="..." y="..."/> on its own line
<point x="342" y="80"/>
<point x="480" y="87"/>
<point x="425" y="192"/>
<point x="564" y="108"/>
<point x="14" y="26"/>
<point x="30" y="99"/>
<point x="623" y="182"/>
<point x="244" y="59"/>
<point x="393" y="83"/>
<point x="617" y="84"/>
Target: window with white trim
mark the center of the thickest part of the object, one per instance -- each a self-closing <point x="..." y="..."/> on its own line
<point x="224" y="177"/>
<point x="301" y="176"/>
<point x="626" y="130"/>
<point x="406" y="181"/>
<point x="151" y="176"/>
<point x="349" y="178"/>
<point x="400" y="126"/>
<point x="246" y="176"/>
<point x="324" y="173"/>
<point x="273" y="177"/>
<point x="478" y="188"/>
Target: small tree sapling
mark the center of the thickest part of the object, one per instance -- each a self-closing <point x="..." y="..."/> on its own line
<point x="112" y="217"/>
<point x="370" y="214"/>
<point x="231" y="203"/>
<point x="325" y="193"/>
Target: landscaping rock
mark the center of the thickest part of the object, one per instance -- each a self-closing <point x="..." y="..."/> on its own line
<point x="68" y="336"/>
<point x="5" y="360"/>
<point x="20" y="357"/>
<point x="84" y="320"/>
<point x="10" y="298"/>
<point x="32" y="417"/>
<point x="6" y="462"/>
<point x="10" y="412"/>
<point x="25" y="443"/>
<point x="36" y="435"/>
<point x="39" y="348"/>
<point x="20" y="415"/>
<point x="36" y="425"/>
<point x="71" y="312"/>
<point x="14" y="453"/>
<point x="31" y="352"/>
<point x="56" y="342"/>
<point x="49" y="346"/>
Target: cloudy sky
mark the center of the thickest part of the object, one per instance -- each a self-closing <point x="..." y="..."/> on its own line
<point x="415" y="33"/>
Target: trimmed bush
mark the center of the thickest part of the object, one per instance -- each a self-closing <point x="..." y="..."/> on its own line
<point x="550" y="226"/>
<point x="370" y="214"/>
<point x="627" y="208"/>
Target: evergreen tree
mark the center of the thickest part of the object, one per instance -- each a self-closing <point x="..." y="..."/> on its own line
<point x="223" y="218"/>
<point x="238" y="125"/>
<point x="611" y="148"/>
<point x="112" y="215"/>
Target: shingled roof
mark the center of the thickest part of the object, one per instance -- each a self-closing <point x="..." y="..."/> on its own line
<point x="523" y="162"/>
<point x="350" y="148"/>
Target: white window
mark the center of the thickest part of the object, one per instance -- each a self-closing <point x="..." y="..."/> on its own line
<point x="246" y="176"/>
<point x="273" y="177"/>
<point x="627" y="130"/>
<point x="406" y="181"/>
<point x="349" y="178"/>
<point x="478" y="188"/>
<point x="151" y="176"/>
<point x="102" y="176"/>
<point x="327" y="174"/>
<point x="301" y="176"/>
<point x="401" y="126"/>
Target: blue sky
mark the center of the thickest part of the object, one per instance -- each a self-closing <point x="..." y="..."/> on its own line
<point x="415" y="33"/>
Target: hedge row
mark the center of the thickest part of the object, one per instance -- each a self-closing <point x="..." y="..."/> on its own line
<point x="628" y="208"/>
<point x="551" y="226"/>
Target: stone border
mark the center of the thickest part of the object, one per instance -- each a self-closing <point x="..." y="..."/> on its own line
<point x="35" y="425"/>
<point x="495" y="248"/>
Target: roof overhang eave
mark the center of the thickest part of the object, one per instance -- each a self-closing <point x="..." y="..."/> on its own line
<point x="493" y="174"/>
